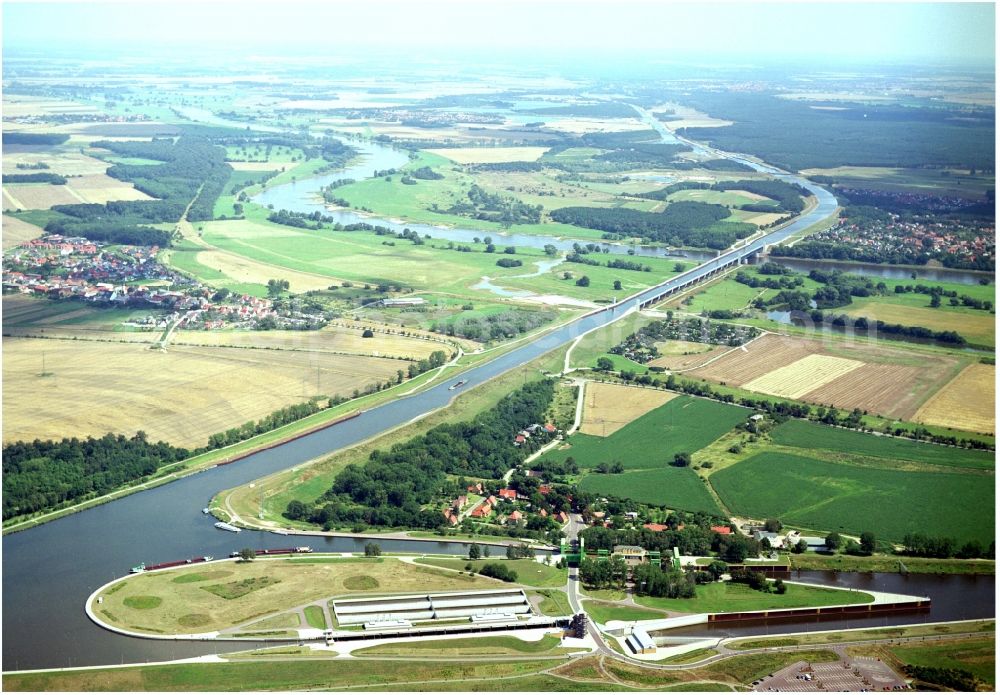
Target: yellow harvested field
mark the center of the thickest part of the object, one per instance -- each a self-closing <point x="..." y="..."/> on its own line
<point x="21" y="105"/>
<point x="802" y="376"/>
<point x="677" y="358"/>
<point x="978" y="327"/>
<point x="595" y="125"/>
<point x="246" y="270"/>
<point x="181" y="396"/>
<point x="331" y="339"/>
<point x="65" y="162"/>
<point x="490" y="155"/>
<point x="967" y="402"/>
<point x="609" y="407"/>
<point x="157" y="601"/>
<point x="101" y="188"/>
<point x="15" y="232"/>
<point x="764" y="218"/>
<point x="37" y="196"/>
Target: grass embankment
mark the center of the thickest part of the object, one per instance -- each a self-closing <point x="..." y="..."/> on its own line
<point x="529" y="572"/>
<point x="602" y="612"/>
<point x="228" y="594"/>
<point x="726" y="597"/>
<point x="308" y="482"/>
<point x="552" y="603"/>
<point x="819" y="638"/>
<point x="473" y="646"/>
<point x="271" y="675"/>
<point x="890" y="563"/>
<point x="977" y="656"/>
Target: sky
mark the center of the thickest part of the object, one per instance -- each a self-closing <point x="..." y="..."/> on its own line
<point x="899" y="32"/>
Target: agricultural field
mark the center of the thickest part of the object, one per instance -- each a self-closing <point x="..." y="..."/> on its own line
<point x="666" y="486"/>
<point x="181" y="396"/>
<point x="850" y="498"/>
<point x="926" y="181"/>
<point x="92" y="188"/>
<point x="609" y="407"/>
<point x="731" y="198"/>
<point x="225" y="594"/>
<point x="889" y="381"/>
<point x="684" y="424"/>
<point x="814" y="436"/>
<point x="978" y="327"/>
<point x="489" y="155"/>
<point x="802" y="376"/>
<point x="16" y="232"/>
<point x="681" y="355"/>
<point x="62" y="160"/>
<point x="967" y="402"/>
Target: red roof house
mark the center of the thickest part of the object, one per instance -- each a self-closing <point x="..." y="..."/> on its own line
<point x="656" y="527"/>
<point x="722" y="530"/>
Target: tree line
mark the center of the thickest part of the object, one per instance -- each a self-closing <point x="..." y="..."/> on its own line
<point x="393" y="486"/>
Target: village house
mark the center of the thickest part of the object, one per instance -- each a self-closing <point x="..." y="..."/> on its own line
<point x="632" y="554"/>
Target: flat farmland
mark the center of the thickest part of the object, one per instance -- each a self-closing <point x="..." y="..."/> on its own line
<point x="100" y="188"/>
<point x="812" y="435"/>
<point x="181" y="396"/>
<point x="889" y="381"/>
<point x="609" y="407"/>
<point x="978" y="327"/>
<point x="681" y="354"/>
<point x="734" y="198"/>
<point x="37" y="196"/>
<point x="802" y="376"/>
<point x="849" y="498"/>
<point x="327" y="340"/>
<point x="676" y="488"/>
<point x="15" y="232"/>
<point x="61" y="160"/>
<point x="490" y="155"/>
<point x="967" y="402"/>
<point x="684" y="424"/>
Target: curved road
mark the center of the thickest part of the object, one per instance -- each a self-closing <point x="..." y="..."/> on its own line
<point x="51" y="569"/>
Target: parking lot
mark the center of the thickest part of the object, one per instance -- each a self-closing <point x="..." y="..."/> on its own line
<point x="856" y="675"/>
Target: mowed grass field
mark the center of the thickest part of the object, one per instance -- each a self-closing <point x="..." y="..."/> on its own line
<point x="967" y="402"/>
<point x="668" y="486"/>
<point x="529" y="572"/>
<point x="851" y="498"/>
<point x="812" y="435"/>
<point x="181" y="396"/>
<point x="214" y="596"/>
<point x="609" y="407"/>
<point x="726" y="597"/>
<point x="890" y="381"/>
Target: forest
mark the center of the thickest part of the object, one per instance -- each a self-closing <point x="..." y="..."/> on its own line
<point x="16" y="138"/>
<point x="685" y="223"/>
<point x="794" y="135"/>
<point x="38" y="475"/>
<point x="393" y="486"/>
<point x="44" y="177"/>
<point x="506" y="324"/>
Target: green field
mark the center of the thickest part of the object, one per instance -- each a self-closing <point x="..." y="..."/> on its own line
<point x="529" y="572"/>
<point x="811" y="435"/>
<point x="474" y="646"/>
<point x="602" y="612"/>
<point x="684" y="424"/>
<point x="851" y="498"/>
<point x="669" y="486"/>
<point x="978" y="656"/>
<point x="726" y="597"/>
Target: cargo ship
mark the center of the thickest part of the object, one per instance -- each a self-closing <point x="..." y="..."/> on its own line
<point x="458" y="384"/>
<point x="276" y="551"/>
<point x="143" y="567"/>
<point x="226" y="527"/>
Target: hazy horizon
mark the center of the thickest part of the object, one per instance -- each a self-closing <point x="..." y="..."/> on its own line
<point x="830" y="33"/>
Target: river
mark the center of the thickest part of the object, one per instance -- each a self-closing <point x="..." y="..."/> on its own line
<point x="50" y="570"/>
